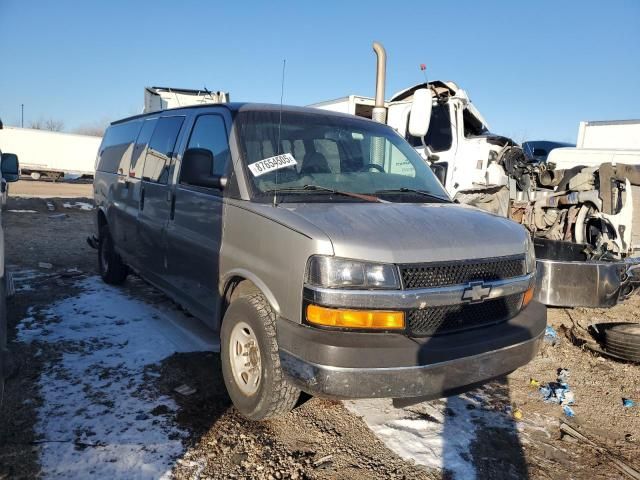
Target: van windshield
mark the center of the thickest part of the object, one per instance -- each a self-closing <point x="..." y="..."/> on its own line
<point x="309" y="156"/>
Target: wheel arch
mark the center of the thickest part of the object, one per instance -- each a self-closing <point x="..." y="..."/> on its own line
<point x="241" y="281"/>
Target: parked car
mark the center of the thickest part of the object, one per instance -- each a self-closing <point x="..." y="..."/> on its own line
<point x="321" y="247"/>
<point x="9" y="172"/>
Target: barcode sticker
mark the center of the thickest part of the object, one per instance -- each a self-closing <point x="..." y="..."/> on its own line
<point x="272" y="163"/>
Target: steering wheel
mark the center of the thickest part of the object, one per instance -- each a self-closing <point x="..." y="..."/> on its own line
<point x="372" y="165"/>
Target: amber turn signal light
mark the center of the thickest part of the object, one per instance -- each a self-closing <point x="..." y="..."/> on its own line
<point x="372" y="319"/>
<point x="528" y="296"/>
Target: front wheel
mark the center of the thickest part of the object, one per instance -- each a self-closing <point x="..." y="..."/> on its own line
<point x="250" y="360"/>
<point x="112" y="269"/>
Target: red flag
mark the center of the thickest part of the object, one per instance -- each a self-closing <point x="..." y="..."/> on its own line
<point x="423" y="67"/>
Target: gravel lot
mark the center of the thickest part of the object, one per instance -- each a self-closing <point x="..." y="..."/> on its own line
<point x="86" y="397"/>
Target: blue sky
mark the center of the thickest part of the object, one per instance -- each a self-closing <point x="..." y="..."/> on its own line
<point x="534" y="69"/>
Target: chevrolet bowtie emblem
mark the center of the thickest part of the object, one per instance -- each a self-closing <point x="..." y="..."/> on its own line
<point x="476" y="292"/>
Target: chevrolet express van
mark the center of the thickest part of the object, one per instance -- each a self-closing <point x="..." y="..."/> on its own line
<point x="322" y="249"/>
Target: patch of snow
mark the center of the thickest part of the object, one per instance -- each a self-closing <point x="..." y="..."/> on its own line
<point x="95" y="416"/>
<point x="437" y="434"/>
<point x="79" y="205"/>
<point x="22" y="211"/>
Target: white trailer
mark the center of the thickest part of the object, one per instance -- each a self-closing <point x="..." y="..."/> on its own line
<point x="53" y="154"/>
<point x="610" y="134"/>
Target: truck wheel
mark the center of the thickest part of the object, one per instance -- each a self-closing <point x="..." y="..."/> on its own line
<point x="624" y="341"/>
<point x="112" y="269"/>
<point x="250" y="361"/>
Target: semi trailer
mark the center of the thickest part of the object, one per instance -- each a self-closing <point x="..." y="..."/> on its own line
<point x="51" y="154"/>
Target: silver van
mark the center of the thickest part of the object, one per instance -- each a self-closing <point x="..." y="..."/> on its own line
<point x="322" y="249"/>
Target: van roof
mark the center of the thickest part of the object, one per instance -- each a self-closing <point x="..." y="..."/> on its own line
<point x="243" y="107"/>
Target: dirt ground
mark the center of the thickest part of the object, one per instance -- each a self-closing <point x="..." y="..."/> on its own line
<point x="320" y="439"/>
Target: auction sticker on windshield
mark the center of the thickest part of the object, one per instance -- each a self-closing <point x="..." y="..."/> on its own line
<point x="272" y="163"/>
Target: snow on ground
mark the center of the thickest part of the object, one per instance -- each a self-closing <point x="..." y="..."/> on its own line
<point x="78" y="205"/>
<point x="95" y="419"/>
<point x="22" y="211"/>
<point x="436" y="434"/>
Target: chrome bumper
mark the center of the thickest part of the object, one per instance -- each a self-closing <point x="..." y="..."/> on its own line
<point x="586" y="283"/>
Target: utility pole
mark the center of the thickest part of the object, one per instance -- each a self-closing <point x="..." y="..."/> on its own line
<point x="22" y="115"/>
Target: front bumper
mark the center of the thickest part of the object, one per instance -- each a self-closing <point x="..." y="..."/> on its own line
<point x="372" y="365"/>
<point x="585" y="283"/>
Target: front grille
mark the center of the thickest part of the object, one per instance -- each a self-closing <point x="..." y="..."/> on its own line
<point x="441" y="274"/>
<point x="452" y="318"/>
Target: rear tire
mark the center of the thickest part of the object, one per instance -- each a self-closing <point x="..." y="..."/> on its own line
<point x="258" y="387"/>
<point x="112" y="270"/>
<point x="624" y="341"/>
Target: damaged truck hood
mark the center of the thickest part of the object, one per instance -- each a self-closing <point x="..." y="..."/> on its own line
<point x="411" y="233"/>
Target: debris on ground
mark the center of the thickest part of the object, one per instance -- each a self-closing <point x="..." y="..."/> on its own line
<point x="617" y="462"/>
<point x="51" y="207"/>
<point x="559" y="392"/>
<point x="550" y="335"/>
<point x="45" y="265"/>
<point x="59" y="216"/>
<point x="628" y="403"/>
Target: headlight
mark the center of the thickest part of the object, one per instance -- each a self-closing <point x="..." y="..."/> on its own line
<point x="530" y="256"/>
<point x="332" y="272"/>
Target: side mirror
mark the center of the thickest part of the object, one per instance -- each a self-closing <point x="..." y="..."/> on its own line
<point x="420" y="115"/>
<point x="10" y="167"/>
<point x="197" y="165"/>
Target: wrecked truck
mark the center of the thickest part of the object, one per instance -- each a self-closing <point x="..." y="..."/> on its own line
<point x="581" y="218"/>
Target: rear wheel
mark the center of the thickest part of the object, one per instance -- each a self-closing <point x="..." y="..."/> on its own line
<point x="112" y="269"/>
<point x="251" y="362"/>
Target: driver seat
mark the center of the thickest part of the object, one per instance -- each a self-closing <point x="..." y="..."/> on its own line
<point x="314" y="162"/>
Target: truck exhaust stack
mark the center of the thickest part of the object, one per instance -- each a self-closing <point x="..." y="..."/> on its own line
<point x="379" y="110"/>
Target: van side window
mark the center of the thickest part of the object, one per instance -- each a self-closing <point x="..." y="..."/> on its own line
<point x="137" y="158"/>
<point x="116" y="147"/>
<point x="210" y="133"/>
<point x="161" y="149"/>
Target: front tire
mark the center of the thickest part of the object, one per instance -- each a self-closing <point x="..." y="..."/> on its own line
<point x="112" y="270"/>
<point x="251" y="362"/>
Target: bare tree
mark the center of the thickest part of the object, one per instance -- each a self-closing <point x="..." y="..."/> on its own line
<point x="36" y="125"/>
<point x="54" y="125"/>
<point x="95" y="129"/>
<point x="49" y="124"/>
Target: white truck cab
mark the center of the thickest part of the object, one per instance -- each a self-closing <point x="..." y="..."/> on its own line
<point x="580" y="213"/>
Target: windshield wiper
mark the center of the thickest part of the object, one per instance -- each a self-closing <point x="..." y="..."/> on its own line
<point x="413" y="190"/>
<point x="320" y="188"/>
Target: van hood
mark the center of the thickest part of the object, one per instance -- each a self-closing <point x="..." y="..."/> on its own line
<point x="412" y="233"/>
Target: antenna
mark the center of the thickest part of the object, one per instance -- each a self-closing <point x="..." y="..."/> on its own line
<point x="275" y="190"/>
